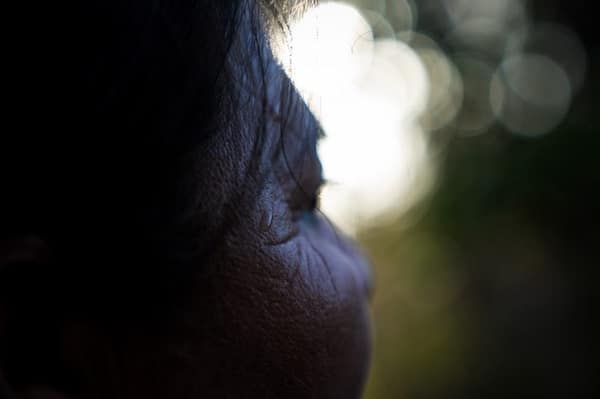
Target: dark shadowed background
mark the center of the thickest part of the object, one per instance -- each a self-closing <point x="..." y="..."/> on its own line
<point x="493" y="292"/>
<point x="487" y="282"/>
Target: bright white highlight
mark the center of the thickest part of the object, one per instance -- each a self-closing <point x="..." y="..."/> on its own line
<point x="368" y="95"/>
<point x="530" y="94"/>
<point x="382" y="90"/>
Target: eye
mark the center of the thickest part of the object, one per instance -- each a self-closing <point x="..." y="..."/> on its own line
<point x="310" y="187"/>
<point x="299" y="153"/>
<point x="308" y="214"/>
<point x="315" y="196"/>
<point x="307" y="197"/>
<point x="306" y="180"/>
<point x="314" y="203"/>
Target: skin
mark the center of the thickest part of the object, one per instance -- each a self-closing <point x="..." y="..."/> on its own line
<point x="279" y="307"/>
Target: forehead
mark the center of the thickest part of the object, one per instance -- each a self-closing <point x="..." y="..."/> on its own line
<point x="297" y="127"/>
<point x="268" y="104"/>
<point x="266" y="124"/>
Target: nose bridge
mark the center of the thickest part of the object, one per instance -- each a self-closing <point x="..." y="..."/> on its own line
<point x="357" y="260"/>
<point x="362" y="266"/>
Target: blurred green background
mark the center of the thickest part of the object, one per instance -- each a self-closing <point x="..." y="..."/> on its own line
<point x="487" y="287"/>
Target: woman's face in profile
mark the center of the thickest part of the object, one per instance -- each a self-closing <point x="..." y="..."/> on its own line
<point x="279" y="306"/>
<point x="292" y="291"/>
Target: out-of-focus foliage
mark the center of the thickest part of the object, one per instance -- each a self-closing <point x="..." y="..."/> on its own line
<point x="487" y="288"/>
<point x="461" y="135"/>
<point x="492" y="291"/>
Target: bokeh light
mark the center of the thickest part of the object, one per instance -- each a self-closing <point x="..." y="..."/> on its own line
<point x="368" y="95"/>
<point x="445" y="126"/>
<point x="382" y="90"/>
<point x="328" y="48"/>
<point x="476" y="114"/>
<point x="560" y="44"/>
<point x="486" y="25"/>
<point x="530" y="94"/>
<point x="445" y="89"/>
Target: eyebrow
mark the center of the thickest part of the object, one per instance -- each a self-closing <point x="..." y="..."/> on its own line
<point x="307" y="116"/>
<point x="304" y="125"/>
<point x="294" y="116"/>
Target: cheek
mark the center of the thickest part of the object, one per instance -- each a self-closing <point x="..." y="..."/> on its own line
<point x="298" y="288"/>
<point x="337" y="318"/>
<point x="340" y="277"/>
<point x="346" y="266"/>
<point x="305" y="299"/>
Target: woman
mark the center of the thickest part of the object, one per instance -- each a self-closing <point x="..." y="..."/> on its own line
<point x="159" y="228"/>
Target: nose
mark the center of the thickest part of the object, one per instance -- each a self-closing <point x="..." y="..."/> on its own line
<point x="363" y="268"/>
<point x="355" y="259"/>
<point x="359" y="262"/>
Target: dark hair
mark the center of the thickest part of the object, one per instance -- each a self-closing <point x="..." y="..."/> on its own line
<point x="135" y="80"/>
<point x="109" y="100"/>
<point x="110" y="103"/>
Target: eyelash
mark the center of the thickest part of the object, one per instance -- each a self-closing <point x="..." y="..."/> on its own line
<point x="310" y="183"/>
<point x="307" y="213"/>
<point x="315" y="197"/>
<point x="304" y="197"/>
<point x="307" y="201"/>
<point x="314" y="203"/>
